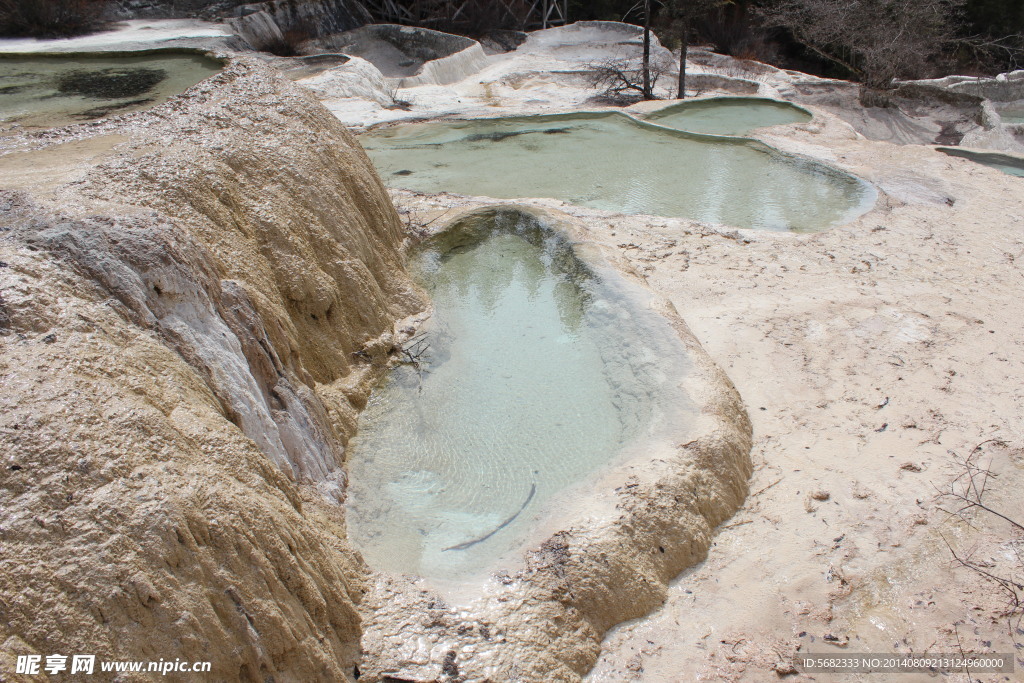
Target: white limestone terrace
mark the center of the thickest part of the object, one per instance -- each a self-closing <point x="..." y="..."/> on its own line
<point x="552" y="72"/>
<point x="814" y="327"/>
<point x="548" y="72"/>
<point x="1002" y="111"/>
<point x="406" y="55"/>
<point x="135" y="34"/>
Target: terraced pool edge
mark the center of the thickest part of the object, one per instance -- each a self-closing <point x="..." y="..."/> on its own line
<point x="219" y="61"/>
<point x="681" y="105"/>
<point x="610" y="561"/>
<point x="988" y="158"/>
<point x="868" y="201"/>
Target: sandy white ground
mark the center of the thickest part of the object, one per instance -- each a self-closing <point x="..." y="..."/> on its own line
<point x="870" y="356"/>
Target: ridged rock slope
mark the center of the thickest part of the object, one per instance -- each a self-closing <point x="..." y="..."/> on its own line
<point x="189" y="323"/>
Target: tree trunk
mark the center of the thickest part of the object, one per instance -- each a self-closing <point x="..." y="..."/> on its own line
<point x="684" y="45"/>
<point x="648" y="94"/>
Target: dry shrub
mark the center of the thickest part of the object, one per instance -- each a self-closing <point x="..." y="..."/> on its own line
<point x="621" y="80"/>
<point x="51" y="18"/>
<point x="877" y="41"/>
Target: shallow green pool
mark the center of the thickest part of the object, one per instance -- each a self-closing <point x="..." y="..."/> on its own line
<point x="1006" y="164"/>
<point x="728" y="115"/>
<point x="43" y="91"/>
<point x="539" y="372"/>
<point x="1012" y="114"/>
<point x="612" y="162"/>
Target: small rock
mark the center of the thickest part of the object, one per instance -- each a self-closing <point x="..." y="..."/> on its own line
<point x="910" y="467"/>
<point x="785" y="669"/>
<point x="836" y="640"/>
<point x="450" y="667"/>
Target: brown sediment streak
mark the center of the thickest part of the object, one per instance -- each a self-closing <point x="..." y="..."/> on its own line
<point x="467" y="544"/>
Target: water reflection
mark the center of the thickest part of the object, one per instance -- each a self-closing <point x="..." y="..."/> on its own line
<point x="614" y="163"/>
<point x="61" y="89"/>
<point x="538" y="373"/>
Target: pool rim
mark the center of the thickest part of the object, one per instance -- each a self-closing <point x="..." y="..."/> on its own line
<point x="868" y="202"/>
<point x="967" y="153"/>
<point x="669" y="109"/>
<point x="222" y="59"/>
<point x="677" y="424"/>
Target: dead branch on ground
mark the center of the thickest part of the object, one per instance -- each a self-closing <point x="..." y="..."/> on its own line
<point x="966" y="493"/>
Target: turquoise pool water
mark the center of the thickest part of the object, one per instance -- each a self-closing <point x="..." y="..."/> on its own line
<point x="43" y="91"/>
<point x="612" y="162"/>
<point x="538" y="372"/>
<point x="728" y="115"/>
<point x="1007" y="164"/>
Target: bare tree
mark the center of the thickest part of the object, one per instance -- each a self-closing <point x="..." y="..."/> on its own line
<point x="624" y="81"/>
<point x="877" y="41"/>
<point x="648" y="91"/>
<point x="683" y="14"/>
<point x="681" y="17"/>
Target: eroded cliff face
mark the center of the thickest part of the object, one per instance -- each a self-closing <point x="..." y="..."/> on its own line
<point x="190" y="323"/>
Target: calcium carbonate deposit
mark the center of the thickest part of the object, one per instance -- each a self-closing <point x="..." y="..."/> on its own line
<point x="518" y="384"/>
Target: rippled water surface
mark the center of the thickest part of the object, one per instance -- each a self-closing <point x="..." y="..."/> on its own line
<point x="728" y="115"/>
<point x="58" y="90"/>
<point x="611" y="162"/>
<point x="539" y="372"/>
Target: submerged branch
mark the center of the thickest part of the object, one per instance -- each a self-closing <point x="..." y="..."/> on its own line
<point x="468" y="544"/>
